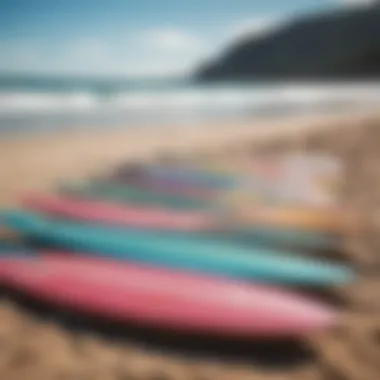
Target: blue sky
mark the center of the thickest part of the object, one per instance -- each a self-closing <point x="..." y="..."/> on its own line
<point x="131" y="37"/>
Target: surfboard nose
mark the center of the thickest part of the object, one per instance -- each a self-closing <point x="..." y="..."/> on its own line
<point x="315" y="317"/>
<point x="321" y="273"/>
<point x="304" y="315"/>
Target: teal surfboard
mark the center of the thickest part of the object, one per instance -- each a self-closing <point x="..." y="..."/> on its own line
<point x="273" y="236"/>
<point x="186" y="253"/>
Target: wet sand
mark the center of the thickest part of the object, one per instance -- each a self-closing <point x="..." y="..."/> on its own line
<point x="41" y="343"/>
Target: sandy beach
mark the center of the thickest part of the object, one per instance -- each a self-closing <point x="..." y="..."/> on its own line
<point x="34" y="163"/>
<point x="277" y="102"/>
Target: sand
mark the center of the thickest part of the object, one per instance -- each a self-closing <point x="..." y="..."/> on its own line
<point x="41" y="344"/>
<point x="35" y="162"/>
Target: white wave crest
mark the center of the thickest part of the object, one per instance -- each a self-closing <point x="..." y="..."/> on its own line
<point x="27" y="102"/>
<point x="190" y="98"/>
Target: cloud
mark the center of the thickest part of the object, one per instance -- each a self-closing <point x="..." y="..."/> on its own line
<point x="171" y="40"/>
<point x="256" y="26"/>
<point x="358" y="2"/>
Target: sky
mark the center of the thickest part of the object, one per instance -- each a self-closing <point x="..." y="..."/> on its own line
<point x="133" y="37"/>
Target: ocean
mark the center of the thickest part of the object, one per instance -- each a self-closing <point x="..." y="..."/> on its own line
<point x="42" y="103"/>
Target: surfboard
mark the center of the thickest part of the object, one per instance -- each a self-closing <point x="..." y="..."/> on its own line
<point x="198" y="224"/>
<point x="121" y="215"/>
<point x="175" y="188"/>
<point x="187" y="174"/>
<point x="239" y="205"/>
<point x="181" y="252"/>
<point x="311" y="179"/>
<point x="166" y="299"/>
<point x="328" y="220"/>
<point x="295" y="179"/>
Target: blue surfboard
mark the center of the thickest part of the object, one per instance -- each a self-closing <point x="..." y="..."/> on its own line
<point x="199" y="255"/>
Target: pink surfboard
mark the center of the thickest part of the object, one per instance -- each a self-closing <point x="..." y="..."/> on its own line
<point x="115" y="214"/>
<point x="166" y="299"/>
